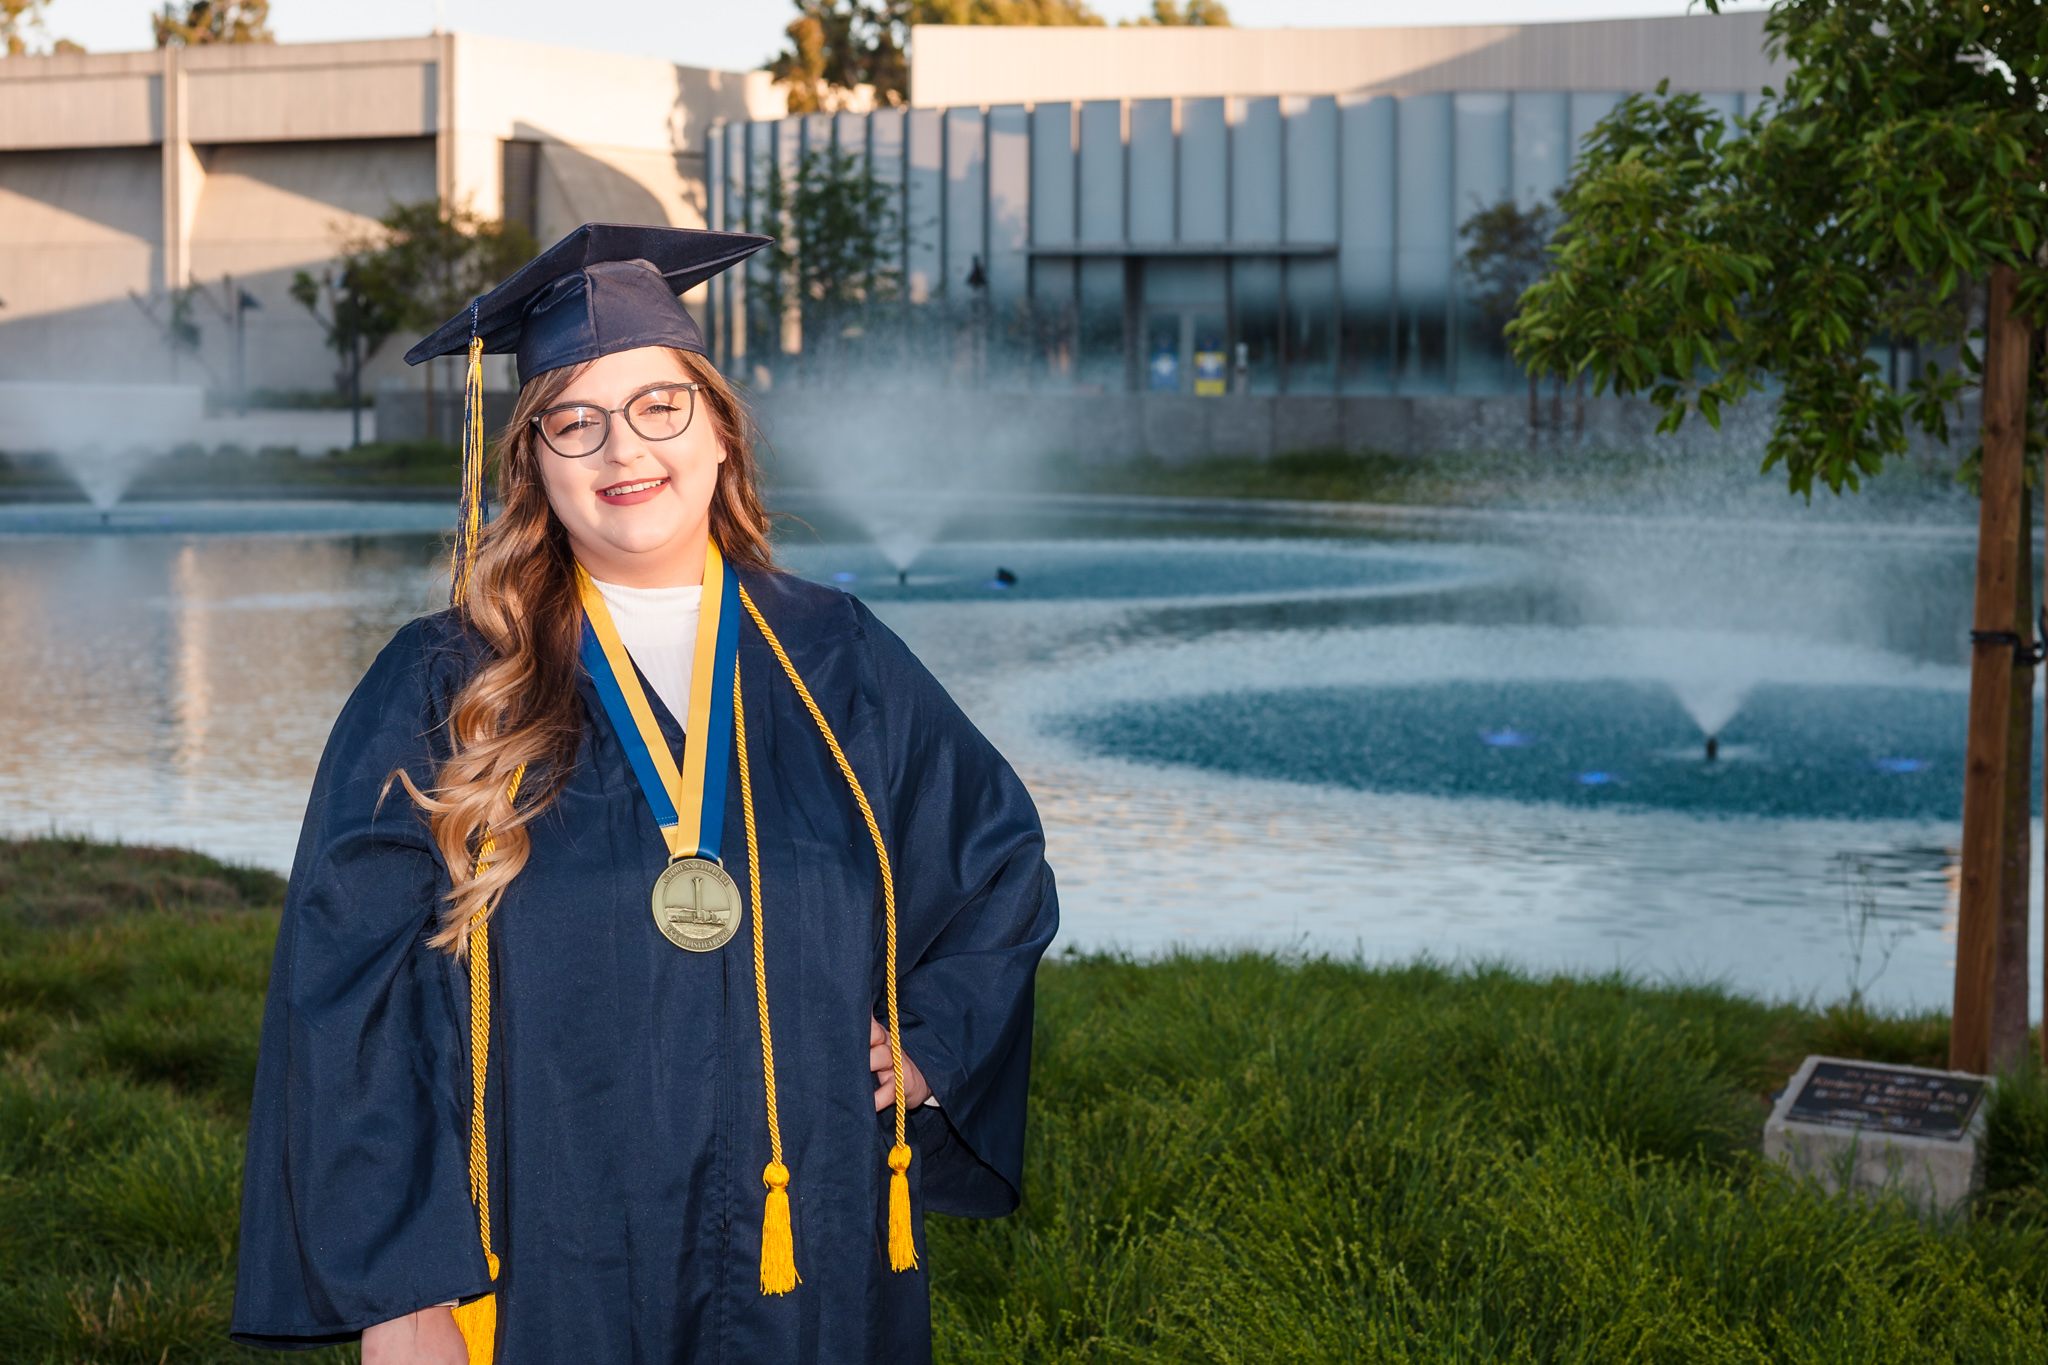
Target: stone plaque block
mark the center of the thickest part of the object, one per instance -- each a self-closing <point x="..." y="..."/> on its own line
<point x="1870" y="1126"/>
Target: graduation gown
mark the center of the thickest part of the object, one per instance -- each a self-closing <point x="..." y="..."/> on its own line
<point x="625" y="1098"/>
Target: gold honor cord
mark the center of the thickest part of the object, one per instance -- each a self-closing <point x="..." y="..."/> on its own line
<point x="902" y="1246"/>
<point x="778" y="1245"/>
<point x="477" y="1320"/>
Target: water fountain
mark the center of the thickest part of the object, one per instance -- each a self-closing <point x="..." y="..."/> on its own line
<point x="101" y="434"/>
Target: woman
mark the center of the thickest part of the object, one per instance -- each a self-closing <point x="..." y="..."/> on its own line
<point x="583" y="1033"/>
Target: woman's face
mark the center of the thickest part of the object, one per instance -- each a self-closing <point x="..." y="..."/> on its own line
<point x="637" y="508"/>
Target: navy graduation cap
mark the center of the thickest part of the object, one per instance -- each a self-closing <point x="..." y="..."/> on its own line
<point x="606" y="287"/>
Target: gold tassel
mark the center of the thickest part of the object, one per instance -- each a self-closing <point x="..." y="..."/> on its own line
<point x="477" y="1320"/>
<point x="469" y="530"/>
<point x="902" y="1246"/>
<point x="778" y="1246"/>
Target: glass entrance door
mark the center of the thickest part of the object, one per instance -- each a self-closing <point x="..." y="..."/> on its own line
<point x="1186" y="334"/>
<point x="1186" y="351"/>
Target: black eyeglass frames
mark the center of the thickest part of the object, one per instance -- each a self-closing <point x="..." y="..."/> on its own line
<point x="660" y="412"/>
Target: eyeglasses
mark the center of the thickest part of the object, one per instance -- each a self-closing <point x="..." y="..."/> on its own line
<point x="661" y="413"/>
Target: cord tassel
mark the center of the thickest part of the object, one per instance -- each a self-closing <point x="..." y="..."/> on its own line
<point x="902" y="1246"/>
<point x="778" y="1247"/>
<point x="469" y="531"/>
<point x="477" y="1320"/>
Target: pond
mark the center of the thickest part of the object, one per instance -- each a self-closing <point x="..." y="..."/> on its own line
<point x="1472" y="737"/>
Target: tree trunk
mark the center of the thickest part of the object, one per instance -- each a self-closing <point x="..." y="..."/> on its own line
<point x="2012" y="968"/>
<point x="1991" y="678"/>
<point x="1535" y="409"/>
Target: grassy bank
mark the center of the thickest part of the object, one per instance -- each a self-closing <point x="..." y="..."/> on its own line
<point x="1231" y="1159"/>
<point x="1611" y="479"/>
<point x="192" y="472"/>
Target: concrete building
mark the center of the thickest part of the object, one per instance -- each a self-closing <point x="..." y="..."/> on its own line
<point x="1220" y="211"/>
<point x="144" y="190"/>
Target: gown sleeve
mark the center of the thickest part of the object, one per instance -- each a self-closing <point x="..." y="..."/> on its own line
<point x="976" y="909"/>
<point x="355" y="1200"/>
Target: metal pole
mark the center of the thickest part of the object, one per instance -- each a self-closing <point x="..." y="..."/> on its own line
<point x="355" y="373"/>
<point x="1991" y="677"/>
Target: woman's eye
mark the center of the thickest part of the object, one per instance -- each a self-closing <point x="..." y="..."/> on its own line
<point x="578" y="420"/>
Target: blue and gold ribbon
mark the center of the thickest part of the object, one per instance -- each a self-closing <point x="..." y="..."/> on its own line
<point x="688" y="802"/>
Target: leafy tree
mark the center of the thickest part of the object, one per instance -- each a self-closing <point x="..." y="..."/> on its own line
<point x="1195" y="14"/>
<point x="837" y="241"/>
<point x="353" y="324"/>
<point x="1507" y="250"/>
<point x="835" y="45"/>
<point x="213" y="21"/>
<point x="1892" y="192"/>
<point x="1862" y="207"/>
<point x="419" y="266"/>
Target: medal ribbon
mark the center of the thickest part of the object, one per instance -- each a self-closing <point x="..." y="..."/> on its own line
<point x="688" y="803"/>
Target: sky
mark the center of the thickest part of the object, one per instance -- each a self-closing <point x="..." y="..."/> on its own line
<point x="742" y="34"/>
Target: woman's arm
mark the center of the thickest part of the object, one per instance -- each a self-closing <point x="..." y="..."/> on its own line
<point x="355" y="1200"/>
<point x="428" y="1337"/>
<point x="976" y="911"/>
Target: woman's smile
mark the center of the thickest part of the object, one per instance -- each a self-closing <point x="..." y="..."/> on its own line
<point x="633" y="491"/>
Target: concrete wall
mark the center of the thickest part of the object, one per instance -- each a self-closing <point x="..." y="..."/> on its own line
<point x="975" y="64"/>
<point x="129" y="181"/>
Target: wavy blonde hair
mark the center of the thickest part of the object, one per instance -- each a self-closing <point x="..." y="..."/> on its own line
<point x="520" y="707"/>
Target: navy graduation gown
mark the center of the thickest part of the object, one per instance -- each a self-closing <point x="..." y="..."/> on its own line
<point x="626" y="1102"/>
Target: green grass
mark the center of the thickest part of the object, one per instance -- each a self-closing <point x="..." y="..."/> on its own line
<point x="1232" y="1158"/>
<point x="191" y="471"/>
<point x="1489" y="478"/>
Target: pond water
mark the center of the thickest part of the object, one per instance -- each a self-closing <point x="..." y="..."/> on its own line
<point x="1470" y="737"/>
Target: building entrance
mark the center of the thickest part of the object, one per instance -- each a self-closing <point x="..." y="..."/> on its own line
<point x="1186" y="351"/>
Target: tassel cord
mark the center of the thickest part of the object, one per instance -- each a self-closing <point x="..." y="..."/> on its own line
<point x="778" y="1247"/>
<point x="477" y="1320"/>
<point x="469" y="530"/>
<point x="902" y="1246"/>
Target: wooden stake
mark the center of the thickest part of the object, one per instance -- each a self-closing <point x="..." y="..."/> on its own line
<point x="1991" y="678"/>
<point x="2011" y="965"/>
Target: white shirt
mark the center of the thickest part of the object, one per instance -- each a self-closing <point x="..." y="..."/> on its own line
<point x="658" y="627"/>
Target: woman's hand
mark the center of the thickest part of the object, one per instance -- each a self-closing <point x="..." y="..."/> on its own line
<point x="915" y="1091"/>
<point x="428" y="1337"/>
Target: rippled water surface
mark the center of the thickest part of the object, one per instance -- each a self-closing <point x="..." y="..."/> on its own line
<point x="1475" y="738"/>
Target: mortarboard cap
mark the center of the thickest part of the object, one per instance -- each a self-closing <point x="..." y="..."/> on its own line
<point x="605" y="287"/>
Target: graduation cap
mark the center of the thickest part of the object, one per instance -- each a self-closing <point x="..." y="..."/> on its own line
<point x="606" y="287"/>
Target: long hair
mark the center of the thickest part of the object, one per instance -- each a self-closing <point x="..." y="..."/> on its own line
<point x="520" y="707"/>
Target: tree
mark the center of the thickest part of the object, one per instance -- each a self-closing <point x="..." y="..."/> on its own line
<point x="19" y="20"/>
<point x="1891" y="193"/>
<point x="835" y="45"/>
<point x="1195" y="14"/>
<point x="837" y="242"/>
<point x="419" y="266"/>
<point x="1507" y="250"/>
<point x="213" y="21"/>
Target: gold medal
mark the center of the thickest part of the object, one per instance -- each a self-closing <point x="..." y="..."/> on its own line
<point x="696" y="905"/>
